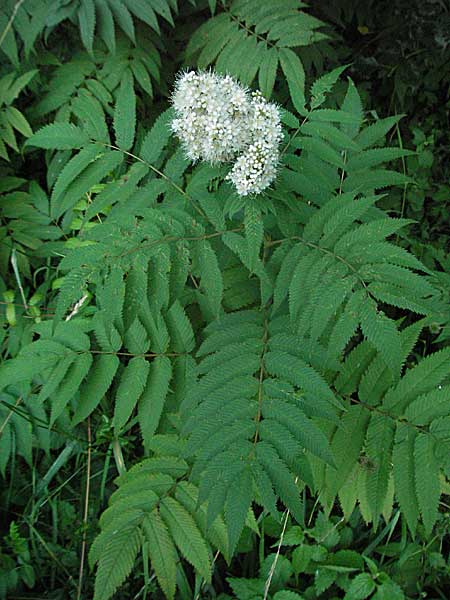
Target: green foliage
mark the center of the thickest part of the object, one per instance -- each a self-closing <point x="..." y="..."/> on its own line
<point x="250" y="39"/>
<point x="229" y="369"/>
<point x="12" y="121"/>
<point x="15" y="563"/>
<point x="325" y="560"/>
<point x="102" y="18"/>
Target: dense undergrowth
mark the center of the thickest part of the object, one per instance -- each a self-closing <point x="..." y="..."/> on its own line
<point x="208" y="395"/>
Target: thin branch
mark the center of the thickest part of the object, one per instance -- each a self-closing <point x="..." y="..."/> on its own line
<point x="11" y="19"/>
<point x="86" y="510"/>
<point x="158" y="172"/>
<point x="275" y="560"/>
<point x="10" y="414"/>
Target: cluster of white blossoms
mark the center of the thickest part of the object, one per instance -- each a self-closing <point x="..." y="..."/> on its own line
<point x="256" y="168"/>
<point x="212" y="116"/>
<point x="218" y="120"/>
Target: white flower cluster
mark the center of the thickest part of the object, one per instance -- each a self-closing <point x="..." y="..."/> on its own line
<point x="218" y="120"/>
<point x="255" y="168"/>
<point x="212" y="116"/>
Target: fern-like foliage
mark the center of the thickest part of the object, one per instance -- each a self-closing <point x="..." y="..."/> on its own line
<point x="248" y="416"/>
<point x="260" y="348"/>
<point x="23" y="419"/>
<point x="103" y="19"/>
<point x="25" y="211"/>
<point x="154" y="505"/>
<point x="87" y="91"/>
<point x="394" y="436"/>
<point x="250" y="39"/>
<point x="12" y="120"/>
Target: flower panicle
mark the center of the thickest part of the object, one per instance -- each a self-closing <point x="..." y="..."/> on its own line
<point x="218" y="120"/>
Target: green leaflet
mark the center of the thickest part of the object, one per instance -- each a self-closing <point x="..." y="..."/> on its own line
<point x="78" y="370"/>
<point x="130" y="389"/>
<point x="304" y="430"/>
<point x="322" y="86"/>
<point x="345" y="325"/>
<point x="162" y="552"/>
<point x="136" y="339"/>
<point x="59" y="136"/>
<point x="210" y="274"/>
<point x="86" y="20"/>
<point x="151" y="403"/>
<point x="281" y="478"/>
<point x="254" y="230"/>
<point x="404" y="474"/>
<point x="374" y="157"/>
<point x="95" y="387"/>
<point x="426" y="375"/>
<point x="215" y="532"/>
<point x="157" y="138"/>
<point x="346" y="446"/>
<point x="56" y="377"/>
<point x="186" y="535"/>
<point x="181" y="332"/>
<point x="116" y="562"/>
<point x="239" y="498"/>
<point x="381" y="331"/>
<point x="377" y="131"/>
<point x="426" y="479"/>
<point x="365" y="180"/>
<point x="123" y="17"/>
<point x="285" y="274"/>
<point x="295" y="76"/>
<point x="73" y="168"/>
<point x="117" y="191"/>
<point x="321" y="148"/>
<point x="268" y="72"/>
<point x="380" y="437"/>
<point x="299" y="373"/>
<point x="91" y="175"/>
<point x="18" y="121"/>
<point x="105" y="24"/>
<point x="332" y="134"/>
<point x="429" y="406"/>
<point x="125" y="113"/>
<point x="352" y="104"/>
